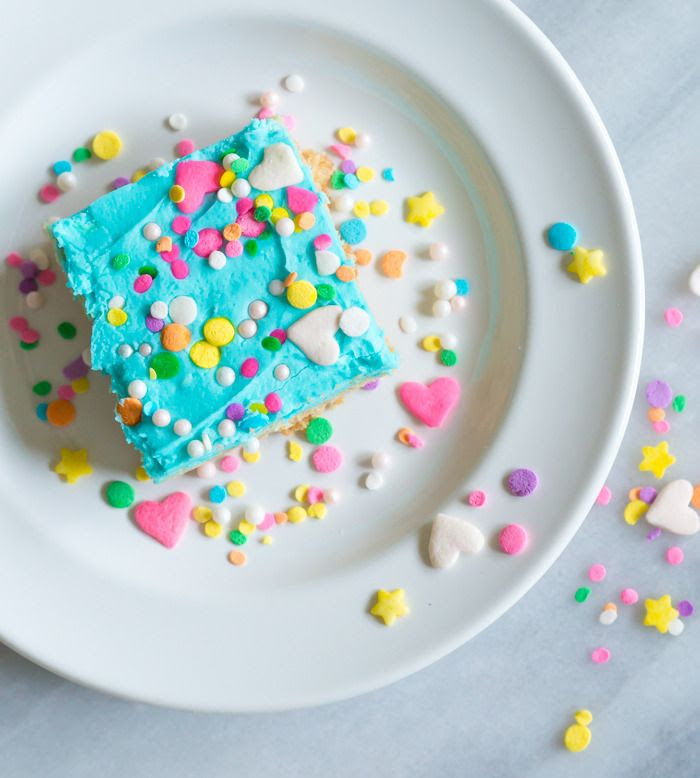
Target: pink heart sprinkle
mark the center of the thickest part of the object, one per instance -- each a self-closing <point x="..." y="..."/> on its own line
<point x="164" y="521"/>
<point x="198" y="178"/>
<point x="249" y="226"/>
<point x="300" y="200"/>
<point x="433" y="403"/>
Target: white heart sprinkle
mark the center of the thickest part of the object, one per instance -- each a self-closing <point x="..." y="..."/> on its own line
<point x="279" y="167"/>
<point x="314" y="334"/>
<point x="354" y="322"/>
<point x="451" y="537"/>
<point x="326" y="263"/>
<point x="670" y="509"/>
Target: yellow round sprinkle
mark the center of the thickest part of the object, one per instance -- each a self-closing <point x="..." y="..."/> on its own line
<point x="177" y="193"/>
<point x="259" y="408"/>
<point x="204" y="355"/>
<point x="431" y="343"/>
<point x="379" y="207"/>
<point x="227" y="178"/>
<point x="235" y="488"/>
<point x="218" y="331"/>
<point x="106" y="144"/>
<point x="300" y="492"/>
<point x="634" y="511"/>
<point x="212" y="529"/>
<point x="296" y="514"/>
<point x="365" y="173"/>
<point x="250" y="457"/>
<point x="141" y="475"/>
<point x="202" y="514"/>
<point x="152" y="374"/>
<point x="264" y="201"/>
<point x="278" y="213"/>
<point x="361" y="209"/>
<point x="301" y="294"/>
<point x="318" y="510"/>
<point x="116" y="317"/>
<point x="80" y="385"/>
<point x="583" y="717"/>
<point x="138" y="175"/>
<point x="246" y="527"/>
<point x="266" y="540"/>
<point x="294" y="451"/>
<point x="346" y="134"/>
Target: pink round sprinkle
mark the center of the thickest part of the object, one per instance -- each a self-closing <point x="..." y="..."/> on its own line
<point x="249" y="367"/>
<point x="322" y="241"/>
<point x="65" y="392"/>
<point x="233" y="248"/>
<point x="265" y="113"/>
<point x="662" y="427"/>
<point x="184" y="147"/>
<point x="179" y="269"/>
<point x="48" y="193"/>
<point x="206" y="470"/>
<point x="30" y="336"/>
<point x="326" y="459"/>
<point x="476" y="498"/>
<point x="229" y="463"/>
<point x="674" y="555"/>
<point x="13" y="259"/>
<point x="273" y="402"/>
<point x="512" y="539"/>
<point x="600" y="655"/>
<point x="281" y="335"/>
<point x="19" y="323"/>
<point x="267" y="522"/>
<point x="46" y="277"/>
<point x="673" y="316"/>
<point x="289" y="121"/>
<point x="604" y="496"/>
<point x="314" y="495"/>
<point x="181" y="224"/>
<point x="629" y="596"/>
<point x="244" y="204"/>
<point x="597" y="572"/>
<point x="143" y="283"/>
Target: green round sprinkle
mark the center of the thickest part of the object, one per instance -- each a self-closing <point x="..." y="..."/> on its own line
<point x="261" y="213"/>
<point x="120" y="261"/>
<point x="448" y="357"/>
<point x="239" y="165"/>
<point x="28" y="346"/>
<point x="581" y="595"/>
<point x="325" y="291"/>
<point x="66" y="330"/>
<point x="119" y="494"/>
<point x="337" y="179"/>
<point x="165" y="365"/>
<point x="148" y="270"/>
<point x="81" y="154"/>
<point x="42" y="388"/>
<point x="237" y="537"/>
<point x="271" y="343"/>
<point x="251" y="248"/>
<point x="679" y="403"/>
<point x="319" y="431"/>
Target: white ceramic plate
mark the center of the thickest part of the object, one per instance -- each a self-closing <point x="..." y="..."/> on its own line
<point x="465" y="98"/>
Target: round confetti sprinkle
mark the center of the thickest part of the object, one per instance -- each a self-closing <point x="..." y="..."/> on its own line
<point x="604" y="496"/>
<point x="42" y="388"/>
<point x="477" y="498"/>
<point x="600" y="655"/>
<point x="326" y="459"/>
<point x="685" y="608"/>
<point x="513" y="539"/>
<point x="629" y="596"/>
<point x="673" y="317"/>
<point x="205" y="355"/>
<point x="237" y="558"/>
<point x="521" y="482"/>
<point x="679" y="403"/>
<point x="250" y="367"/>
<point x="581" y="594"/>
<point x="177" y="121"/>
<point x="658" y="394"/>
<point x="597" y="573"/>
<point x="353" y="231"/>
<point x="165" y="365"/>
<point x="60" y="413"/>
<point x="81" y="154"/>
<point x="301" y="294"/>
<point x="408" y="324"/>
<point x="647" y="494"/>
<point x="319" y="431"/>
<point x="674" y="555"/>
<point x="676" y="627"/>
<point x="119" y="494"/>
<point x="218" y="331"/>
<point x="106" y="144"/>
<point x="562" y="236"/>
<point x="448" y="357"/>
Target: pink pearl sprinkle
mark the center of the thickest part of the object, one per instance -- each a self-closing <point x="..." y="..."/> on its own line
<point x="326" y="459"/>
<point x="629" y="596"/>
<point x="14" y="259"/>
<point x="179" y="269"/>
<point x="597" y="572"/>
<point x="48" y="193"/>
<point x="604" y="496"/>
<point x="476" y="498"/>
<point x="273" y="402"/>
<point x="322" y="241"/>
<point x="19" y="323"/>
<point x="229" y="463"/>
<point x="512" y="539"/>
<point x="331" y="496"/>
<point x="249" y="367"/>
<point x="143" y="283"/>
<point x="662" y="427"/>
<point x="314" y="495"/>
<point x="65" y="392"/>
<point x="184" y="147"/>
<point x="206" y="470"/>
<point x="181" y="224"/>
<point x="673" y="316"/>
<point x="600" y="655"/>
<point x="674" y="555"/>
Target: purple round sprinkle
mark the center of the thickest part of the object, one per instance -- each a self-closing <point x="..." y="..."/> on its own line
<point x="659" y="394"/>
<point x="370" y="385"/>
<point x="348" y="166"/>
<point x="119" y="182"/>
<point x="235" y="411"/>
<point x="647" y="494"/>
<point x="76" y="369"/>
<point x="153" y="324"/>
<point x="685" y="608"/>
<point x="654" y="533"/>
<point x="521" y="482"/>
<point x="28" y="269"/>
<point x="27" y="285"/>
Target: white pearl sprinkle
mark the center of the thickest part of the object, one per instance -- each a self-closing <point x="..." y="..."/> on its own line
<point x="448" y="340"/>
<point x="66" y="181"/>
<point x="380" y="460"/>
<point x="240" y="187"/>
<point x="676" y="627"/>
<point x="331" y="496"/>
<point x="117" y="301"/>
<point x="343" y="203"/>
<point x="206" y="470"/>
<point x="159" y="309"/>
<point x="145" y="349"/>
<point x="269" y="99"/>
<point x="374" y="481"/>
<point x="442" y="308"/>
<point x="182" y="427"/>
<point x="254" y="514"/>
<point x="284" y="227"/>
<point x="34" y="300"/>
<point x="257" y="309"/>
<point x="86" y="356"/>
<point x="224" y="195"/>
<point x="458" y="303"/>
<point x="408" y="324"/>
<point x="294" y="83"/>
<point x="225" y="376"/>
<point x="125" y="350"/>
<point x="137" y="389"/>
<point x="226" y="428"/>
<point x="221" y="513"/>
<point x="151" y="231"/>
<point x="362" y="140"/>
<point x="445" y="290"/>
<point x="693" y="281"/>
<point x="281" y="372"/>
<point x="177" y="121"/>
<point x="228" y="160"/>
<point x="438" y="251"/>
<point x="39" y="257"/>
<point x="161" y="418"/>
<point x="275" y="287"/>
<point x="195" y="448"/>
<point x="252" y="446"/>
<point x="247" y="328"/>
<point x="217" y="260"/>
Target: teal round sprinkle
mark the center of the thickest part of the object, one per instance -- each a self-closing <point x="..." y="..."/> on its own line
<point x="325" y="291"/>
<point x="81" y="154"/>
<point x="271" y="343"/>
<point x="353" y="231"/>
<point x="337" y="179"/>
<point x="42" y="388"/>
<point x="581" y="595"/>
<point x="149" y="408"/>
<point x="319" y="431"/>
<point x="66" y="330"/>
<point x="62" y="166"/>
<point x="239" y="165"/>
<point x="462" y="286"/>
<point x="261" y="213"/>
<point x="448" y="357"/>
<point x="120" y="261"/>
<point x="191" y="239"/>
<point x="119" y="494"/>
<point x="217" y="493"/>
<point x="41" y="410"/>
<point x="28" y="346"/>
<point x="148" y="270"/>
<point x="237" y="537"/>
<point x="679" y="403"/>
<point x="350" y="180"/>
<point x="251" y="248"/>
<point x="388" y="174"/>
<point x="562" y="236"/>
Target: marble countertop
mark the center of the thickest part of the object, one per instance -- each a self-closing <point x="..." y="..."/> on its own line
<point x="497" y="706"/>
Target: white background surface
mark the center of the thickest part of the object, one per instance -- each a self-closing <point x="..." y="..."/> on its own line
<point x="498" y="705"/>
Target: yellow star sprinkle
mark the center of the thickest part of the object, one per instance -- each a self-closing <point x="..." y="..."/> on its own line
<point x="656" y="459"/>
<point x="390" y="605"/>
<point x="73" y="464"/>
<point x="587" y="263"/>
<point x="294" y="451"/>
<point x="422" y="210"/>
<point x="660" y="613"/>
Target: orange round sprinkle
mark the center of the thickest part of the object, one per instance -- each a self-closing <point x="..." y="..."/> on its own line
<point x="237" y="558"/>
<point x="695" y="500"/>
<point x="232" y="231"/>
<point x="60" y="413"/>
<point x="164" y="244"/>
<point x="305" y="220"/>
<point x="290" y="279"/>
<point x="633" y="494"/>
<point x="391" y="263"/>
<point x="656" y="414"/>
<point x="130" y="411"/>
<point x="280" y="518"/>
<point x="346" y="273"/>
<point x="363" y="256"/>
<point x="175" y="337"/>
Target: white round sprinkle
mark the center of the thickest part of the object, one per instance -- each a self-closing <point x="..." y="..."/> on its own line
<point x="294" y="83"/>
<point x="257" y="309"/>
<point x="438" y="251"/>
<point x="217" y="260"/>
<point x="269" y="99"/>
<point x="240" y="187"/>
<point x="117" y="301"/>
<point x="206" y="470"/>
<point x="161" y="418"/>
<point x="441" y="308"/>
<point x="374" y="481"/>
<point x="34" y="300"/>
<point x="39" y="257"/>
<point x="275" y="287"/>
<point x="177" y="121"/>
<point x="252" y="446"/>
<point x="281" y="372"/>
<point x="362" y="140"/>
<point x="676" y="627"/>
<point x="284" y="227"/>
<point x="354" y="322"/>
<point x="86" y="356"/>
<point x="445" y="290"/>
<point x="247" y="328"/>
<point x="137" y="389"/>
<point x="221" y="513"/>
<point x="226" y="428"/>
<point x="206" y="442"/>
<point x="195" y="448"/>
<point x="331" y="496"/>
<point x="458" y="303"/>
<point x="224" y="195"/>
<point x="182" y="427"/>
<point x="125" y="350"/>
<point x="228" y="160"/>
<point x="693" y="281"/>
<point x="380" y="460"/>
<point x="448" y="340"/>
<point x="183" y="309"/>
<point x="225" y="376"/>
<point x="66" y="181"/>
<point x="155" y="163"/>
<point x="408" y="324"/>
<point x="159" y="309"/>
<point x="608" y="617"/>
<point x="151" y="231"/>
<point x="145" y="349"/>
<point x="343" y="203"/>
<point x="254" y="514"/>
